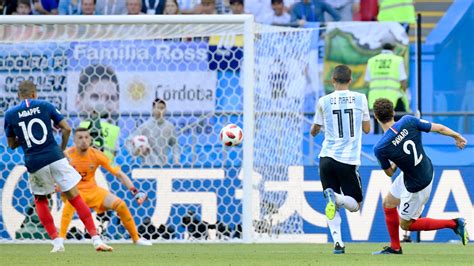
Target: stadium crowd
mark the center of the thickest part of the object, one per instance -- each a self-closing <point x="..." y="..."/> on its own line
<point x="280" y="12"/>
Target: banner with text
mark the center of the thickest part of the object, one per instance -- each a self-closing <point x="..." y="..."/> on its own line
<point x="220" y="201"/>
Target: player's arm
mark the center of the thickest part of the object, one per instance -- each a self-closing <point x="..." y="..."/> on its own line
<point x="315" y="129"/>
<point x="318" y="120"/>
<point x="388" y="167"/>
<point x="391" y="170"/>
<point x="65" y="133"/>
<point x="366" y="126"/>
<point x="12" y="139"/>
<point x="365" y="116"/>
<point x="139" y="196"/>
<point x="61" y="123"/>
<point x="125" y="180"/>
<point x="106" y="163"/>
<point x="444" y="130"/>
<point x="13" y="142"/>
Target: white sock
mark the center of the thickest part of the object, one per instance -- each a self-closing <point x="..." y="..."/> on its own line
<point x="335" y="228"/>
<point x="96" y="239"/>
<point x="346" y="202"/>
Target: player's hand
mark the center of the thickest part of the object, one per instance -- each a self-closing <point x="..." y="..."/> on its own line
<point x="460" y="142"/>
<point x="139" y="196"/>
<point x="301" y="22"/>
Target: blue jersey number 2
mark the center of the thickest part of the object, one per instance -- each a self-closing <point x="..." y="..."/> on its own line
<point x="415" y="153"/>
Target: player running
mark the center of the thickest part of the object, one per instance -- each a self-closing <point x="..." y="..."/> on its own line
<point x="401" y="146"/>
<point x="29" y="125"/>
<point x="343" y="114"/>
<point x="86" y="160"/>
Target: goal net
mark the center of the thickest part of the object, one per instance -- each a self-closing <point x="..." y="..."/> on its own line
<point x="169" y="85"/>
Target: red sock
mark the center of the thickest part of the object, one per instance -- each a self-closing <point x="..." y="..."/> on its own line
<point x="45" y="217"/>
<point x="428" y="224"/>
<point x="84" y="214"/>
<point x="393" y="224"/>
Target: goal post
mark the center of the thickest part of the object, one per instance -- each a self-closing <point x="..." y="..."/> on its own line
<point x="104" y="73"/>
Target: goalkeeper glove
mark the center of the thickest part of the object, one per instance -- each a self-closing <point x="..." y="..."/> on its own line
<point x="139" y="196"/>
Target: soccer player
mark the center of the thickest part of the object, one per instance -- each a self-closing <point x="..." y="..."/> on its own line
<point x="29" y="125"/>
<point x="344" y="115"/>
<point x="401" y="146"/>
<point x="86" y="160"/>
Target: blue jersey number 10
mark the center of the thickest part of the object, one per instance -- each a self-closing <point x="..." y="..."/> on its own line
<point x="28" y="132"/>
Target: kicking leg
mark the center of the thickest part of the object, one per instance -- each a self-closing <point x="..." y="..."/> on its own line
<point x="429" y="224"/>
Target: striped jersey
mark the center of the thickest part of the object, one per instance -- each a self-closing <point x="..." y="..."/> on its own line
<point x="341" y="114"/>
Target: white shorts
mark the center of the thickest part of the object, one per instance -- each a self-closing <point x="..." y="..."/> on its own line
<point x="411" y="204"/>
<point x="59" y="172"/>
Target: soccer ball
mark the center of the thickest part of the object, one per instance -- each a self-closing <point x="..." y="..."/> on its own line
<point x="231" y="135"/>
<point x="140" y="141"/>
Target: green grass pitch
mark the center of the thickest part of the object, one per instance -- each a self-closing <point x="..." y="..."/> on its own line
<point x="236" y="254"/>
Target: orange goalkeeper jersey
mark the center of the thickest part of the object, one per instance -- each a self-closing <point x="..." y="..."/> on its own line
<point x="87" y="164"/>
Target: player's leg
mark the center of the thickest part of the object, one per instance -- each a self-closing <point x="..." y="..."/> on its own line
<point x="112" y="202"/>
<point x="328" y="175"/>
<point x="66" y="218"/>
<point x="41" y="185"/>
<point x="411" y="208"/>
<point x="351" y="187"/>
<point x="392" y="220"/>
<point x="67" y="178"/>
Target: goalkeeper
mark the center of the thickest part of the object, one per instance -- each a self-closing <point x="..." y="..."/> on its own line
<point x="85" y="160"/>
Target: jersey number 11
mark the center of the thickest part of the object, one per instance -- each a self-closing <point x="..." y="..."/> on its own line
<point x="338" y="113"/>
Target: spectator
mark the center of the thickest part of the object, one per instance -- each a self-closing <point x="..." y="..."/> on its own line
<point x="134" y="7"/>
<point x="153" y="7"/>
<point x="88" y="7"/>
<point x="69" y="7"/>
<point x="401" y="11"/>
<point x="346" y="9"/>
<point x="312" y="11"/>
<point x="23" y="7"/>
<point x="189" y="6"/>
<point x="262" y="9"/>
<point x="223" y="7"/>
<point x="208" y="7"/>
<point x="161" y="135"/>
<point x="171" y="8"/>
<point x="279" y="16"/>
<point x="237" y="7"/>
<point x="111" y="7"/>
<point x="46" y="7"/>
<point x="368" y="10"/>
<point x="7" y="7"/>
<point x="387" y="78"/>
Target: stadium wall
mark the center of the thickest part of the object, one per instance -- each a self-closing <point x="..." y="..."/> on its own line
<point x="448" y="66"/>
<point x="452" y="196"/>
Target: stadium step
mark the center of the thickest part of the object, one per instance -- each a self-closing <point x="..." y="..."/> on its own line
<point x="431" y="11"/>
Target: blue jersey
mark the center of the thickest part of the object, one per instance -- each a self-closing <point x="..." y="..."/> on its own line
<point x="402" y="145"/>
<point x="30" y="122"/>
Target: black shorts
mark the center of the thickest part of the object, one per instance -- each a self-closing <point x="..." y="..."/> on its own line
<point x="340" y="176"/>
